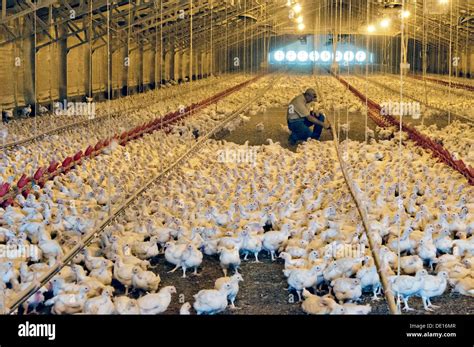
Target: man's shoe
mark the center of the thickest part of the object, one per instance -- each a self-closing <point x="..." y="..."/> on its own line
<point x="291" y="141"/>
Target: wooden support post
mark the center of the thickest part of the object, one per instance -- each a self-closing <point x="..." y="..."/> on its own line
<point x="62" y="62"/>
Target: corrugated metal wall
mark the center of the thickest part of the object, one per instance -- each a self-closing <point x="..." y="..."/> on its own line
<point x="99" y="70"/>
<point x="76" y="72"/>
<point x="148" y="65"/>
<point x="119" y="72"/>
<point x="17" y="68"/>
<point x="9" y="75"/>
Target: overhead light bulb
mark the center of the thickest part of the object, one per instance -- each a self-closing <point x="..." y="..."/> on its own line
<point x="443" y="2"/>
<point x="406" y="14"/>
<point x="301" y="26"/>
<point x="371" y="28"/>
<point x="385" y="23"/>
<point x="297" y="8"/>
<point x="299" y="19"/>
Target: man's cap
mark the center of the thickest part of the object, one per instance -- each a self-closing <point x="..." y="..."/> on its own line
<point x="310" y="92"/>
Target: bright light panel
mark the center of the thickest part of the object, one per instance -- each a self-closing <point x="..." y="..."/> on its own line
<point x="299" y="19"/>
<point x="291" y="55"/>
<point x="303" y="56"/>
<point x="371" y="28"/>
<point x="325" y="56"/>
<point x="279" y="55"/>
<point x="314" y="56"/>
<point x="361" y="56"/>
<point x="349" y="56"/>
<point x="301" y="27"/>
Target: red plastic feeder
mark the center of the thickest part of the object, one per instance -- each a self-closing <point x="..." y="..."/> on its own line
<point x="22" y="181"/>
<point x="4" y="188"/>
<point x="39" y="173"/>
<point x="66" y="162"/>
<point x="53" y="166"/>
<point x="88" y="151"/>
<point x="98" y="146"/>
<point x="78" y="156"/>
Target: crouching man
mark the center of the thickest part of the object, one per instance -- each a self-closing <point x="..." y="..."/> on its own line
<point x="300" y="118"/>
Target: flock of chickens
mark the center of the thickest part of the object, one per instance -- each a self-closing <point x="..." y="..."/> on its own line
<point x="56" y="217"/>
<point x="294" y="206"/>
<point x="457" y="136"/>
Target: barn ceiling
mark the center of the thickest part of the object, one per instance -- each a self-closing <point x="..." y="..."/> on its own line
<point x="174" y="22"/>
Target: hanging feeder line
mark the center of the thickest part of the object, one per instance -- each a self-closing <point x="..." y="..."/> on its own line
<point x="43" y="174"/>
<point x="381" y="85"/>
<point x="366" y="224"/>
<point x="442" y="82"/>
<point x="373" y="107"/>
<point x="420" y="139"/>
<point x="85" y="122"/>
<point x="365" y="220"/>
<point x="47" y="276"/>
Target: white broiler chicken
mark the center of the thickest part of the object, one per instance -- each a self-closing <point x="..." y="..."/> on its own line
<point x="251" y="244"/>
<point x="100" y="304"/>
<point x="191" y="258"/>
<point x="9" y="274"/>
<point x="229" y="258"/>
<point x="407" y="286"/>
<point x="317" y="305"/>
<point x="125" y="305"/>
<point x="92" y="262"/>
<point x="234" y="283"/>
<point x="350" y="308"/>
<point x="290" y="262"/>
<point x="68" y="303"/>
<point x="103" y="273"/>
<point x="427" y="251"/>
<point x="51" y="249"/>
<point x="145" y="280"/>
<point x="369" y="278"/>
<point x="95" y="286"/>
<point x="433" y="286"/>
<point x="272" y="240"/>
<point x="174" y="253"/>
<point x="212" y="301"/>
<point x="411" y="264"/>
<point x="146" y="249"/>
<point x="299" y="279"/>
<point x="123" y="273"/>
<point x="185" y="309"/>
<point x="465" y="286"/>
<point x="156" y="303"/>
<point x="30" y="305"/>
<point x="347" y="289"/>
